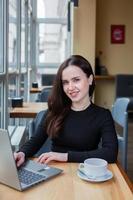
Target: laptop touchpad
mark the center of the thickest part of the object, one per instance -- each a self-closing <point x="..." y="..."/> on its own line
<point x="42" y="170"/>
<point x="36" y="166"/>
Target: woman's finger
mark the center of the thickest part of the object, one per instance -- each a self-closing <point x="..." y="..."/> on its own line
<point x="51" y="158"/>
<point x="43" y="157"/>
<point x="40" y="157"/>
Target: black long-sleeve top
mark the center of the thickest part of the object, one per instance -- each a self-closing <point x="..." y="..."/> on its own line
<point x="80" y="136"/>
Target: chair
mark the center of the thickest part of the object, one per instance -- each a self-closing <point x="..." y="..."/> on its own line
<point x="124" y="88"/>
<point x="43" y="96"/>
<point x="33" y="125"/>
<point x="120" y="116"/>
<point x="124" y="85"/>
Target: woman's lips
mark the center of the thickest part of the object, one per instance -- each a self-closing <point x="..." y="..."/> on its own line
<point x="73" y="94"/>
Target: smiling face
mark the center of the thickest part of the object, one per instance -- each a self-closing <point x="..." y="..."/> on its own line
<point x="76" y="85"/>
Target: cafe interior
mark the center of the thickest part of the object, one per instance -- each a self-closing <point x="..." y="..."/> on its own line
<point x="36" y="37"/>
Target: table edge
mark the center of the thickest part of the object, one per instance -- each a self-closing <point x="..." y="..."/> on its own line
<point x="128" y="181"/>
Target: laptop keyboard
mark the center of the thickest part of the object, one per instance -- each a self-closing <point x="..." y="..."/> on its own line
<point x="27" y="177"/>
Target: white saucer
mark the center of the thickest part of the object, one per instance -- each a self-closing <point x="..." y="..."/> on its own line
<point x="106" y="177"/>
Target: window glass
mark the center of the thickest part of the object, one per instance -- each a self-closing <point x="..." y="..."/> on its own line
<point x="52" y="43"/>
<point x="22" y="32"/>
<point x="0" y="105"/>
<point x="30" y="18"/>
<point x="22" y="86"/>
<point x="23" y="64"/>
<point x="12" y="85"/>
<point x="52" y="36"/>
<point x="13" y="33"/>
<point x="51" y="9"/>
<point x="1" y="37"/>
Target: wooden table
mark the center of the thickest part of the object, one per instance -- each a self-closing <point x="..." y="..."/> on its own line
<point x="39" y="89"/>
<point x="29" y="110"/>
<point x="68" y="186"/>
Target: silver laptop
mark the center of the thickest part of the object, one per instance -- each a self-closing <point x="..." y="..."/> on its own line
<point x="26" y="176"/>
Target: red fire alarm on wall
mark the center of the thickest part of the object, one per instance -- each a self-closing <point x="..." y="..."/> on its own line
<point x="117" y="34"/>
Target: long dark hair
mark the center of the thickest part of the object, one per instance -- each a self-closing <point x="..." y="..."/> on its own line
<point x="58" y="103"/>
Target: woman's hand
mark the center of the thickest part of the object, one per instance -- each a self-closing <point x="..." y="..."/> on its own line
<point x="47" y="157"/>
<point x="19" y="158"/>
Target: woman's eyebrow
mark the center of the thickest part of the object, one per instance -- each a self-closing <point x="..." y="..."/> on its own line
<point x="71" y="78"/>
<point x="64" y="80"/>
<point x="75" y="77"/>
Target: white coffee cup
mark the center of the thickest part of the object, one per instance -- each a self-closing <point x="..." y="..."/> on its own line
<point x="94" y="167"/>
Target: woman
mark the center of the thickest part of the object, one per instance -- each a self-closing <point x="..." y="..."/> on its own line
<point x="75" y="125"/>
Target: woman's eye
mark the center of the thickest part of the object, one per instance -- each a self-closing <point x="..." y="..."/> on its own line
<point x="64" y="82"/>
<point x="76" y="79"/>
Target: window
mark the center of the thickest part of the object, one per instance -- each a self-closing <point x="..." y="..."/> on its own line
<point x="52" y="37"/>
<point x="12" y="34"/>
<point x="1" y="37"/>
<point x="3" y="66"/>
<point x="51" y="44"/>
<point x="1" y="100"/>
<point x="22" y="33"/>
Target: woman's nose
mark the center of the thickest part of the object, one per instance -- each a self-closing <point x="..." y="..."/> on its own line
<point x="71" y="86"/>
